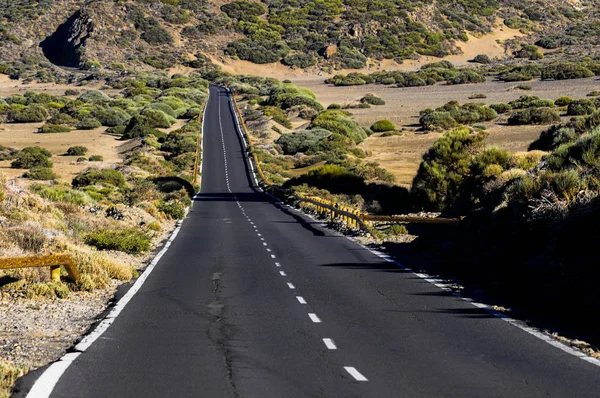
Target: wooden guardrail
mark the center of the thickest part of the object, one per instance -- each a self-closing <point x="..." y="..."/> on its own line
<point x="54" y="261"/>
<point x="350" y="216"/>
<point x="198" y="145"/>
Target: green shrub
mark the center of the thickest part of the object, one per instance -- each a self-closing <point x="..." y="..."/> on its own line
<point x="334" y="106"/>
<point x="138" y="126"/>
<point x="382" y="125"/>
<point x="524" y="87"/>
<point x="534" y="116"/>
<point x="88" y="123"/>
<point x="438" y="183"/>
<point x="156" y="119"/>
<point x="31" y="157"/>
<point x="96" y="158"/>
<point x="563" y="101"/>
<point x="63" y="118"/>
<point x="131" y="240"/>
<point x="76" y="151"/>
<point x="437" y="119"/>
<point x="31" y="114"/>
<point x="337" y="121"/>
<point x="301" y="141"/>
<point x="112" y="117"/>
<point x="258" y="51"/>
<point x="50" y="128"/>
<point x="372" y="100"/>
<point x="40" y="173"/>
<point x="482" y="59"/>
<point x="173" y="209"/>
<point x="94" y="96"/>
<point x="108" y="177"/>
<point x="581" y="107"/>
<point x="299" y="60"/>
<point x="70" y="92"/>
<point x="7" y="153"/>
<point x="243" y="10"/>
<point x="156" y="34"/>
<point x="565" y="70"/>
<point x="501" y="108"/>
<point x="467" y="76"/>
<point x="530" y="101"/>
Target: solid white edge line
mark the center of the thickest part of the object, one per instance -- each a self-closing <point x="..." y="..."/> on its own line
<point x="355" y="373"/>
<point x="47" y="381"/>
<point x="313" y="317"/>
<point x="330" y="344"/>
<point x="528" y="329"/>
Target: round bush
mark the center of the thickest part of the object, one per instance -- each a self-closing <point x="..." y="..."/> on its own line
<point x="482" y="59"/>
<point x="501" y="108"/>
<point x="40" y="173"/>
<point x="563" y="101"/>
<point x="76" y="151"/>
<point x="51" y="128"/>
<point x="96" y="158"/>
<point x="30" y="114"/>
<point x="372" y="100"/>
<point x="31" y="157"/>
<point x="88" y="123"/>
<point x="382" y="125"/>
<point x="581" y="107"/>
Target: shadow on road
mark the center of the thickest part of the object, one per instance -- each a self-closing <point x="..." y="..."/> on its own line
<point x="382" y="266"/>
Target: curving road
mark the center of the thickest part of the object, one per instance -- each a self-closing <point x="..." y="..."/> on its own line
<point x="254" y="299"/>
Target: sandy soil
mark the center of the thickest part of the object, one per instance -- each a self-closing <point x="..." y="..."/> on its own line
<point x="9" y="87"/>
<point x="22" y="135"/>
<point x="489" y="44"/>
<point x="401" y="154"/>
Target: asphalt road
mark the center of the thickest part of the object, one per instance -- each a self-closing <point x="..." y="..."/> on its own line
<point x="255" y="300"/>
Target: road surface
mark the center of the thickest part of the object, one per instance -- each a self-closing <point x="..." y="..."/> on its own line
<point x="255" y="300"/>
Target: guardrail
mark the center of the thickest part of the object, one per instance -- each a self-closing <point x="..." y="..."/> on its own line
<point x="350" y="216"/>
<point x="54" y="261"/>
<point x="198" y="144"/>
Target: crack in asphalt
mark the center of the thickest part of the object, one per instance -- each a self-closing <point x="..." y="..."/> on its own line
<point x="219" y="332"/>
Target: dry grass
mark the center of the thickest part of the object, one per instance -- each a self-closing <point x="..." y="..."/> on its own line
<point x="8" y="374"/>
<point x="32" y="225"/>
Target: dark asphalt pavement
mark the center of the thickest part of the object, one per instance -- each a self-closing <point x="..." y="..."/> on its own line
<point x="225" y="313"/>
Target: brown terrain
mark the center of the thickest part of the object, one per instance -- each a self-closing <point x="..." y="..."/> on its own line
<point x="401" y="155"/>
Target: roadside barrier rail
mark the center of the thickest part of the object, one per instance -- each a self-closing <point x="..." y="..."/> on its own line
<point x="349" y="216"/>
<point x="54" y="261"/>
<point x="198" y="145"/>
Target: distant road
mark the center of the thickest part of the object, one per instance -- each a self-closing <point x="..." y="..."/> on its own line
<point x="254" y="299"/>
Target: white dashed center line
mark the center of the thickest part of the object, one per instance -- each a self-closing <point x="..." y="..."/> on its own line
<point x="313" y="317"/>
<point x="277" y="264"/>
<point x="355" y="373"/>
<point x="272" y="256"/>
<point x="301" y="299"/>
<point x="330" y="344"/>
<point x="291" y="286"/>
<point x="282" y="273"/>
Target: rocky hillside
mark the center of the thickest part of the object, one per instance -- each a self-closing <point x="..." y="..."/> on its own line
<point x="333" y="34"/>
